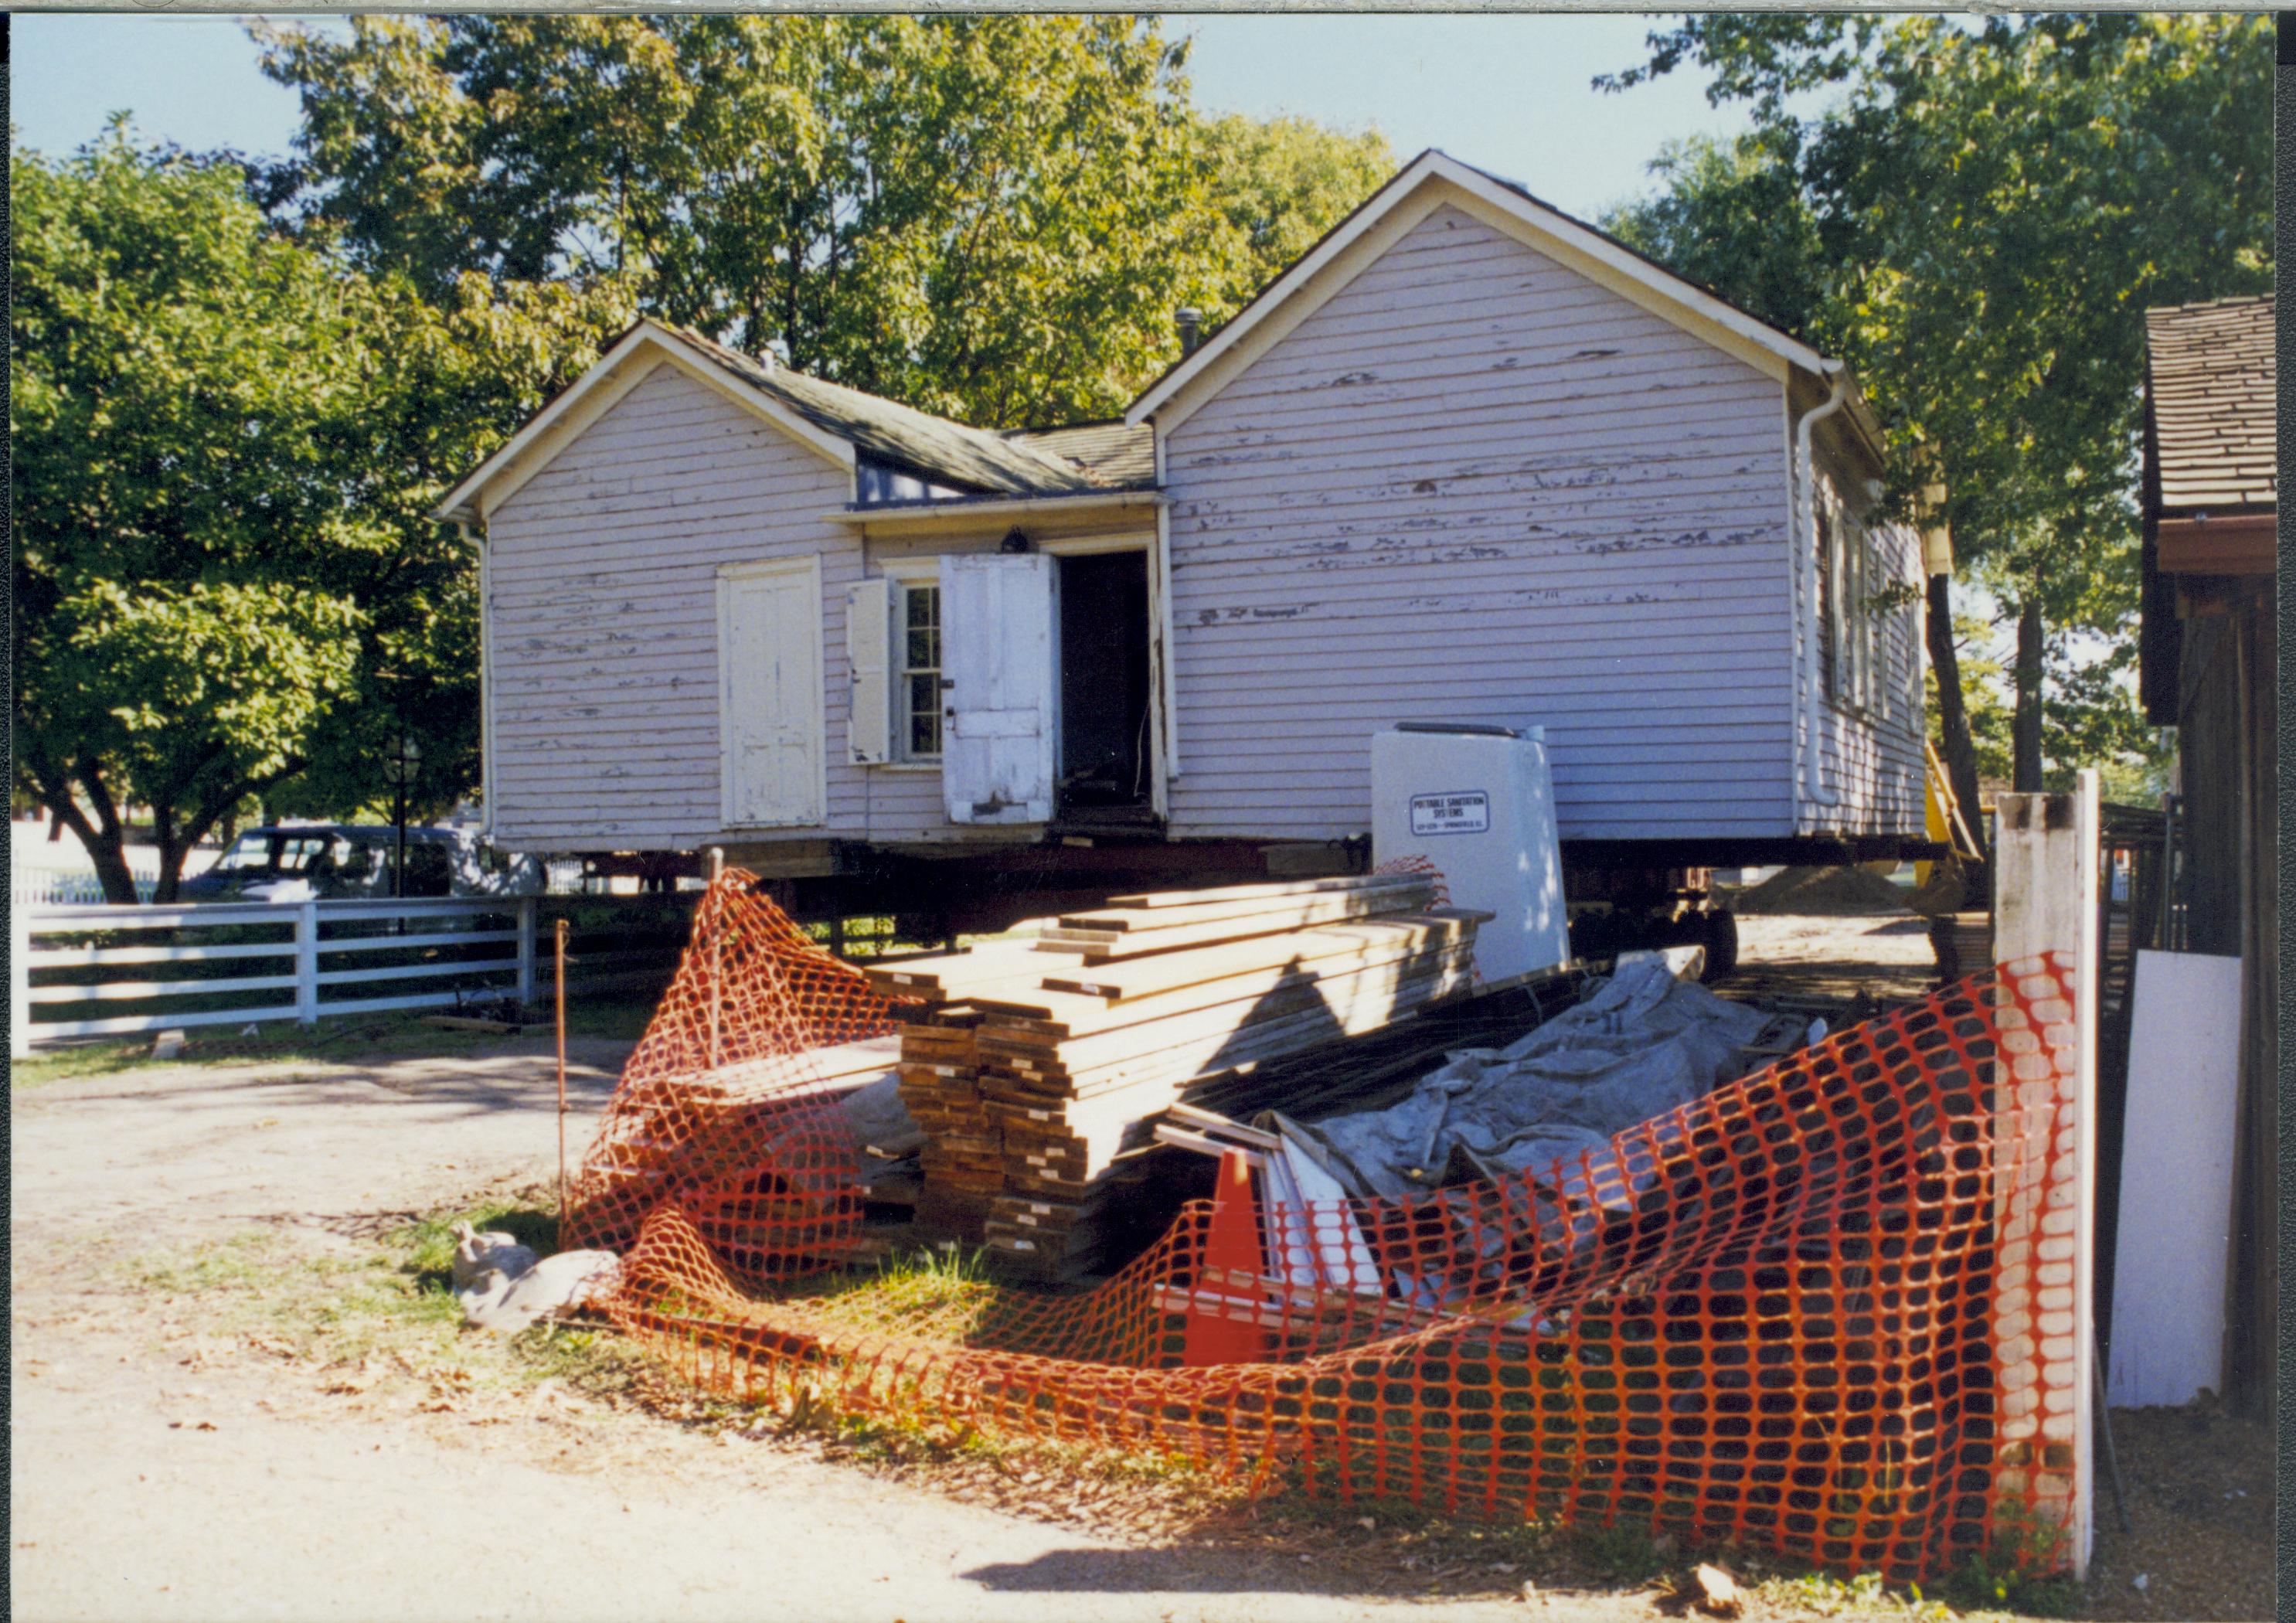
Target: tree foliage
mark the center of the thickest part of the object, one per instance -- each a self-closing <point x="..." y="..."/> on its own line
<point x="240" y="387"/>
<point x="991" y="216"/>
<point x="225" y="445"/>
<point x="1977" y="220"/>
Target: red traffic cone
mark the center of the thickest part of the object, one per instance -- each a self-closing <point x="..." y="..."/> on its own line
<point x="1223" y="1310"/>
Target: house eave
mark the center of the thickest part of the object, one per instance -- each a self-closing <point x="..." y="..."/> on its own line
<point x="937" y="517"/>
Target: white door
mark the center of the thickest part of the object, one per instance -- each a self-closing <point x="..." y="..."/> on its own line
<point x="769" y="682"/>
<point x="997" y="619"/>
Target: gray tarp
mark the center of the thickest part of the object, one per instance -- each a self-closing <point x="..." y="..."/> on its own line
<point x="1640" y="1044"/>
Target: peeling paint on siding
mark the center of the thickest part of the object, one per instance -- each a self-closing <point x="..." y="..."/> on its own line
<point x="1550" y="507"/>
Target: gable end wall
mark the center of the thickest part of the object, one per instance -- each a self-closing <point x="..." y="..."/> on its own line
<point x="602" y="626"/>
<point x="1476" y="485"/>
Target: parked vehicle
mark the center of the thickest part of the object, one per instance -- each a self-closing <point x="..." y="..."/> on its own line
<point x="301" y="862"/>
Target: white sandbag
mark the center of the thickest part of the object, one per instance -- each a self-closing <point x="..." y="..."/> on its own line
<point x="555" y="1284"/>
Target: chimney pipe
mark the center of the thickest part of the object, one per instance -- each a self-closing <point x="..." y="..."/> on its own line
<point x="1191" y="322"/>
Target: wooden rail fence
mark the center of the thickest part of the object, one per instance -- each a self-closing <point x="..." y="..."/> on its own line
<point x="82" y="970"/>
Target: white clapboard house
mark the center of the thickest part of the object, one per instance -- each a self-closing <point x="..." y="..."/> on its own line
<point x="1468" y="460"/>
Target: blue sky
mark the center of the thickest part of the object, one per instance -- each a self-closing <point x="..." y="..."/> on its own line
<point x="1507" y="93"/>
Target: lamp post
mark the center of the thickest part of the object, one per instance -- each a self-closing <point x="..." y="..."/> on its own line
<point x="399" y="771"/>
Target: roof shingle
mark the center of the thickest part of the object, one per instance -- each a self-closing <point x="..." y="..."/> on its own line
<point x="1110" y="451"/>
<point x="979" y="458"/>
<point x="2210" y="378"/>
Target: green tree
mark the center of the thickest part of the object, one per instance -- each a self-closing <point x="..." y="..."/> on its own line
<point x="991" y="217"/>
<point x="1976" y="220"/>
<point x="225" y="447"/>
<point x="1278" y="184"/>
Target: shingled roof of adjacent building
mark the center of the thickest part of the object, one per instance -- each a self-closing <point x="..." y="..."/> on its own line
<point x="2208" y="378"/>
<point x="1110" y="451"/>
<point x="916" y="440"/>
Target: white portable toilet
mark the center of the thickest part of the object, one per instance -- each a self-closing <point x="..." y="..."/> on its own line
<point x="1478" y="802"/>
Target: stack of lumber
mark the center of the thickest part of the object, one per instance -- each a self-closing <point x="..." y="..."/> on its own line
<point x="1034" y="1060"/>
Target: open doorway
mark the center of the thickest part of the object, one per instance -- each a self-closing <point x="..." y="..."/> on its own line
<point x="1104" y="760"/>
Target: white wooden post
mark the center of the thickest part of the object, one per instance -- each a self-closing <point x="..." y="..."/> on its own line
<point x="2046" y="901"/>
<point x="527" y="907"/>
<point x="307" y="963"/>
<point x="19" y="981"/>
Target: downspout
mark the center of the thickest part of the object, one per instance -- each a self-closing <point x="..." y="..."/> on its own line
<point x="1805" y="739"/>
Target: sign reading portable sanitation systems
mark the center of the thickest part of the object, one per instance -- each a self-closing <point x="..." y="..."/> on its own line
<point x="1459" y="811"/>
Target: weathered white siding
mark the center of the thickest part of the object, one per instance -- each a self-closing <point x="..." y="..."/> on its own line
<point x="1473" y="486"/>
<point x="1477" y="486"/>
<point x="1870" y="763"/>
<point x="603" y="623"/>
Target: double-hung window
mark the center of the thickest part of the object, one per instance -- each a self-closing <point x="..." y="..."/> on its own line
<point x="893" y="642"/>
<point x="916" y="618"/>
<point x="1850" y="656"/>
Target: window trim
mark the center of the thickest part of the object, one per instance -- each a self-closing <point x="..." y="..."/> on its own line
<point x="905" y="573"/>
<point x="1852" y="650"/>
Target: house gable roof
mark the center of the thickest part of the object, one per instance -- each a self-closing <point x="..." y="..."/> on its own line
<point x="839" y="423"/>
<point x="2210" y="376"/>
<point x="1428" y="181"/>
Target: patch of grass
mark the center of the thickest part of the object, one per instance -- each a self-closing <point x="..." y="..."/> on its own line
<point x="1866" y="1595"/>
<point x="619" y="1017"/>
<point x="78" y="1062"/>
<point x="386" y="1309"/>
<point x="2015" y="1575"/>
<point x="1624" y="1552"/>
<point x="942" y="1293"/>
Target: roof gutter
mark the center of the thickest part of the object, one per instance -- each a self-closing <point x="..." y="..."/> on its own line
<point x="1837" y="373"/>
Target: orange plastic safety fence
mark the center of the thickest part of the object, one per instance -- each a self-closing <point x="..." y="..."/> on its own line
<point x="722" y="1110"/>
<point x="1822" y="1310"/>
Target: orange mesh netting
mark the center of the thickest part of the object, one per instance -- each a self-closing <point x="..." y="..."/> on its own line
<point x="723" y="1110"/>
<point x="1825" y="1310"/>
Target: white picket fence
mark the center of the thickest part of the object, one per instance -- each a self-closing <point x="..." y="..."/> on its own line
<point x="308" y="952"/>
<point x="67" y="887"/>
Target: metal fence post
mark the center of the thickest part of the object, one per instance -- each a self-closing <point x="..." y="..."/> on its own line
<point x="20" y="981"/>
<point x="307" y="963"/>
<point x="526" y="909"/>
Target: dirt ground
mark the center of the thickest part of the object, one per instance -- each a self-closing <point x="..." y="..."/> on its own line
<point x="170" y="1466"/>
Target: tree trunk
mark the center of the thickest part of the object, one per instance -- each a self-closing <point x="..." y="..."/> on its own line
<point x="1956" y="744"/>
<point x="2026" y="729"/>
<point x="102" y="838"/>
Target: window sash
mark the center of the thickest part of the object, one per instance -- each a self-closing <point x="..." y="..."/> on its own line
<point x="918" y="652"/>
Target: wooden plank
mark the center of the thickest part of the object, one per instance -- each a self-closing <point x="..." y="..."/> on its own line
<point x="1100" y="946"/>
<point x="1147" y="976"/>
<point x="1184" y="1061"/>
<point x="1261" y="892"/>
<point x="1400" y="898"/>
<point x="2169" y="1269"/>
<point x="122" y="991"/>
<point x="62" y="957"/>
<point x="1059" y="1015"/>
<point x="953" y="975"/>
<point x="1335" y="995"/>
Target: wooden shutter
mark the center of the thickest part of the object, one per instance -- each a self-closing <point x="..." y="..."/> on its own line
<point x="868" y="649"/>
<point x="769" y="694"/>
<point x="997" y="620"/>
